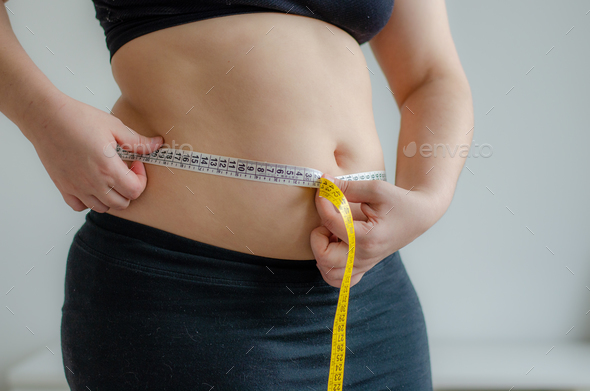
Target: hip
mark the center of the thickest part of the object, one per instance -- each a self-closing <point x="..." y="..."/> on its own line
<point x="146" y="307"/>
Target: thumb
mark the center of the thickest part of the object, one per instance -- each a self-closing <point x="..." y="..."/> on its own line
<point x="132" y="141"/>
<point x="138" y="169"/>
<point x="361" y="191"/>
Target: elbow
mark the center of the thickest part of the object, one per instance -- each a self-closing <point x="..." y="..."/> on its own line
<point x="454" y="84"/>
<point x="453" y="76"/>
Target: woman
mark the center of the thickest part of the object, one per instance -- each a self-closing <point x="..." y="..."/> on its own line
<point x="194" y="281"/>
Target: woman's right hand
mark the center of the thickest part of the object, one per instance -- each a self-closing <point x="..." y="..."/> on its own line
<point x="76" y="144"/>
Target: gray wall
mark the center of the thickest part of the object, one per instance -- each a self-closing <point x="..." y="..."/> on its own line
<point x="480" y="273"/>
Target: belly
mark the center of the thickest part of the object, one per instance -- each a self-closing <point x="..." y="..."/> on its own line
<point x="263" y="86"/>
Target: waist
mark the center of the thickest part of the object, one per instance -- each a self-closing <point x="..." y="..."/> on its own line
<point x="264" y="219"/>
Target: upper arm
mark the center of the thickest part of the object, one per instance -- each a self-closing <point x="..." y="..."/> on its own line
<point x="416" y="46"/>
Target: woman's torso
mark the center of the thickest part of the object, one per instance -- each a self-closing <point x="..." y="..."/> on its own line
<point x="263" y="86"/>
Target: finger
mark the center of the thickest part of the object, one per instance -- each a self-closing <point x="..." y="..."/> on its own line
<point x="354" y="279"/>
<point x="368" y="238"/>
<point x="73" y="202"/>
<point x="138" y="172"/>
<point x="94" y="203"/>
<point x="364" y="214"/>
<point x="357" y="212"/>
<point x="112" y="199"/>
<point x="367" y="192"/>
<point x="130" y="181"/>
<point x="328" y="254"/>
<point x="332" y="258"/>
<point x="130" y="140"/>
<point x="330" y="217"/>
<point x="367" y="241"/>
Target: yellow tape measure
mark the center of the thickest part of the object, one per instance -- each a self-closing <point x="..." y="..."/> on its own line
<point x="330" y="191"/>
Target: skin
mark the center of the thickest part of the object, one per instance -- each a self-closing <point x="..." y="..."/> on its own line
<point x="297" y="93"/>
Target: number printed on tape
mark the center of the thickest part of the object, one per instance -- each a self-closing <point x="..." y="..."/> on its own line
<point x="253" y="170"/>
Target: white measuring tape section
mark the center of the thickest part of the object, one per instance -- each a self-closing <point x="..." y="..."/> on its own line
<point x="254" y="170"/>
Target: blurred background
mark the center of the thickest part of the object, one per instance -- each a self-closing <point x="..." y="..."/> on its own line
<point x="503" y="277"/>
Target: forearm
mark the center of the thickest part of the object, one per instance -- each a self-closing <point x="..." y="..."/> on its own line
<point x="438" y="117"/>
<point x="26" y="94"/>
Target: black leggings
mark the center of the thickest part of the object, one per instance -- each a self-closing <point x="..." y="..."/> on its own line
<point x="146" y="309"/>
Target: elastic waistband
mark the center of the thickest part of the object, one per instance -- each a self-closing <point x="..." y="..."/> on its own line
<point x="143" y="245"/>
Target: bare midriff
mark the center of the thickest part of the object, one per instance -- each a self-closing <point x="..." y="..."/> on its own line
<point x="263" y="86"/>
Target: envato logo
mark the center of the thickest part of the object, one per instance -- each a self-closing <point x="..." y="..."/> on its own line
<point x="433" y="150"/>
<point x="109" y="150"/>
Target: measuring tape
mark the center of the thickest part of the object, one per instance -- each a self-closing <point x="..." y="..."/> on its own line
<point x="253" y="170"/>
<point x="330" y="191"/>
<point x="286" y="175"/>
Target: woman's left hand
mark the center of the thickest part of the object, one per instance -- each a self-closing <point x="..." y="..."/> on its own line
<point x="386" y="218"/>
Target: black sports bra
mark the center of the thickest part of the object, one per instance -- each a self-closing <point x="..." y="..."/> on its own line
<point x="124" y="20"/>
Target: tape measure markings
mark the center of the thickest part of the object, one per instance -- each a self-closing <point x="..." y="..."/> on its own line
<point x="336" y="376"/>
<point x="241" y="168"/>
